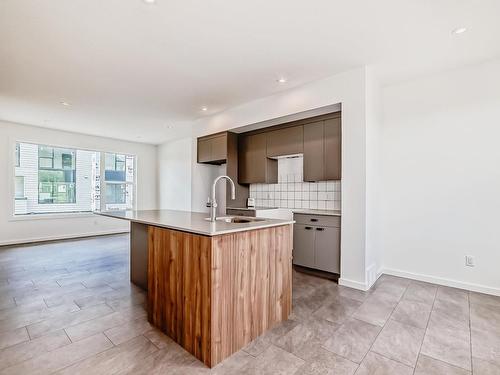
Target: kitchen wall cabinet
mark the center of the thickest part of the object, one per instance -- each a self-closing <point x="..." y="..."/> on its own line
<point x="255" y="152"/>
<point x="316" y="242"/>
<point x="212" y="149"/>
<point x="322" y="150"/>
<point x="254" y="165"/>
<point x="333" y="149"/>
<point x="314" y="152"/>
<point x="286" y="141"/>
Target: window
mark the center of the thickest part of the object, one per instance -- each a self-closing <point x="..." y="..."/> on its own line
<point x="56" y="175"/>
<point x="119" y="179"/>
<point x="19" y="191"/>
<point x="59" y="180"/>
<point x="116" y="193"/>
<point x="18" y="155"/>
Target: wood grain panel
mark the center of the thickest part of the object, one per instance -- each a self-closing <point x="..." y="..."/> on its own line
<point x="251" y="286"/>
<point x="213" y="295"/>
<point x="179" y="288"/>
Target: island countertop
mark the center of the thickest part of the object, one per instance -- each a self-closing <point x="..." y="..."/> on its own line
<point x="191" y="222"/>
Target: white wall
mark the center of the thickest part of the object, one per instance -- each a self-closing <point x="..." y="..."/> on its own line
<point x="441" y="173"/>
<point x="174" y="174"/>
<point x="374" y="181"/>
<point x="15" y="230"/>
<point x="347" y="88"/>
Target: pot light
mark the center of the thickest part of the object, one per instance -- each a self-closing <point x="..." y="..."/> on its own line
<point x="149" y="1"/>
<point x="459" y="30"/>
<point x="204" y="109"/>
<point x="281" y="80"/>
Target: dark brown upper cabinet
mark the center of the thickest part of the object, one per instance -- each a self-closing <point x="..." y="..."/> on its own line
<point x="314" y="151"/>
<point x="286" y="141"/>
<point x="254" y="165"/>
<point x="212" y="149"/>
<point x="322" y="150"/>
<point x="333" y="149"/>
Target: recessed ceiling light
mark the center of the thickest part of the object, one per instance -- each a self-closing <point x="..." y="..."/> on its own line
<point x="168" y="126"/>
<point x="149" y="1"/>
<point x="204" y="109"/>
<point x="459" y="30"/>
<point x="281" y="80"/>
<point x="65" y="103"/>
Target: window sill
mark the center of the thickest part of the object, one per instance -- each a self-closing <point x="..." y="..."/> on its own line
<point x="62" y="215"/>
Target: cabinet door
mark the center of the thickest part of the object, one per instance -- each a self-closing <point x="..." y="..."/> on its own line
<point x="303" y="245"/>
<point x="252" y="155"/>
<point x="204" y="150"/>
<point x="287" y="141"/>
<point x="333" y="151"/>
<point x="219" y="148"/>
<point x="314" y="154"/>
<point x="254" y="165"/>
<point x="327" y="249"/>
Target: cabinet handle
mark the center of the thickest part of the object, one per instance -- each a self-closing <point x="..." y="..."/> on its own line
<point x="307" y="228"/>
<point x="320" y="228"/>
<point x="314" y="219"/>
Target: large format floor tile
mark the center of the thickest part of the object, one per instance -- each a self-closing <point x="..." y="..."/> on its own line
<point x="353" y="339"/>
<point x="376" y="364"/>
<point x="68" y="308"/>
<point x="430" y="366"/>
<point x="400" y="342"/>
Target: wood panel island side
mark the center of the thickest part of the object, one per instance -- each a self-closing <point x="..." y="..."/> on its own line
<point x="212" y="287"/>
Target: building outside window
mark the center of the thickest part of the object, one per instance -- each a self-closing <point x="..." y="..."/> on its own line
<point x="18" y="159"/>
<point x="19" y="187"/>
<point x="52" y="179"/>
<point x="56" y="175"/>
<point x="119" y="179"/>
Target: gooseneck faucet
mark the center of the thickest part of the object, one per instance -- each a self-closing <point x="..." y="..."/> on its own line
<point x="212" y="203"/>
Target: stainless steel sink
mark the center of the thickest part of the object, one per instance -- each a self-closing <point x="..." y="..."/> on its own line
<point x="237" y="219"/>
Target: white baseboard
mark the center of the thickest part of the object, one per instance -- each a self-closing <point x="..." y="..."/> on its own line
<point x="353" y="284"/>
<point x="63" y="237"/>
<point x="443" y="281"/>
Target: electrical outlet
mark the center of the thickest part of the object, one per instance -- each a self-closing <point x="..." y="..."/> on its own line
<point x="469" y="261"/>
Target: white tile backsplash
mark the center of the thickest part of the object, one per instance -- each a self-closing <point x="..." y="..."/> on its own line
<point x="292" y="192"/>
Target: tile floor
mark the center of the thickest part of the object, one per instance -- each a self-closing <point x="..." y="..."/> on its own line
<point x="68" y="308"/>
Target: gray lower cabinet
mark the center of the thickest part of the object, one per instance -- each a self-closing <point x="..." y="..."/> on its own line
<point x="303" y="245"/>
<point x="316" y="246"/>
<point x="326" y="249"/>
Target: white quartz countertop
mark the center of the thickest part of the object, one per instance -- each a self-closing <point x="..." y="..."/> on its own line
<point x="317" y="212"/>
<point x="192" y="222"/>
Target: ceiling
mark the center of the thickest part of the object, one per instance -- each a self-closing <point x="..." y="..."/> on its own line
<point x="141" y="72"/>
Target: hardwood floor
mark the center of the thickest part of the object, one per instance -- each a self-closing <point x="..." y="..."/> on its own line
<point x="68" y="308"/>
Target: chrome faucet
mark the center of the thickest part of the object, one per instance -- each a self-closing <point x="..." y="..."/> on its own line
<point x="212" y="202"/>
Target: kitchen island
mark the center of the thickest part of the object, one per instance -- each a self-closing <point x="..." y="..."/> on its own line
<point x="212" y="286"/>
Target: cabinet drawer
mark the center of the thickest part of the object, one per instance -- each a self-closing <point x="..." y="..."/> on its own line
<point x="322" y="220"/>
